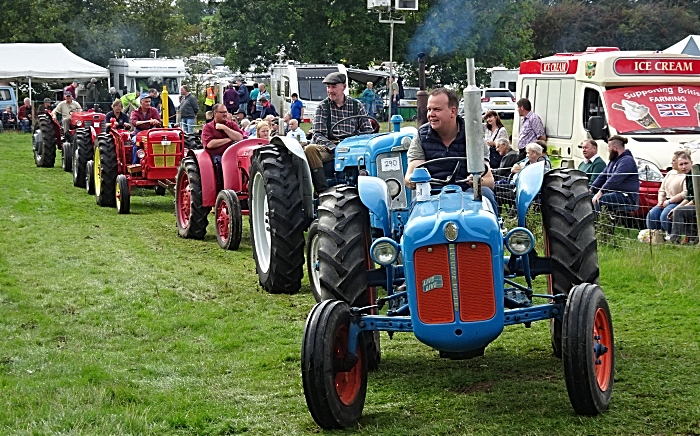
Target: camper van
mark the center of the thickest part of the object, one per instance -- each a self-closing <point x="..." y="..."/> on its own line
<point x="306" y="80"/>
<point x="8" y="98"/>
<point x="651" y="98"/>
<point x="141" y="74"/>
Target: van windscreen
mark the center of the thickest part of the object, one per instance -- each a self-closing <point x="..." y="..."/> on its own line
<point x="5" y="95"/>
<point x="311" y="87"/>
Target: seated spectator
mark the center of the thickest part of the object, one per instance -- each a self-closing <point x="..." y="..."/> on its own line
<point x="25" y="115"/>
<point x="220" y="133"/>
<point x="116" y="119"/>
<point x="208" y="116"/>
<point x="617" y="187"/>
<point x="274" y="128"/>
<point x="267" y="108"/>
<point x="505" y="193"/>
<point x="297" y="133"/>
<point x="534" y="153"/>
<point x="592" y="164"/>
<point x="262" y="130"/>
<point x="287" y="117"/>
<point x="509" y="157"/>
<point x="683" y="217"/>
<point x="671" y="193"/>
<point x="9" y="119"/>
<point x="245" y="122"/>
<point x="240" y="115"/>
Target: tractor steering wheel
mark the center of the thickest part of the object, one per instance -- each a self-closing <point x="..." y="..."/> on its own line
<point x="451" y="180"/>
<point x="373" y="121"/>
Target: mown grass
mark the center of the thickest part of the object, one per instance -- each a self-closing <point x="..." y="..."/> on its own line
<point x="112" y="325"/>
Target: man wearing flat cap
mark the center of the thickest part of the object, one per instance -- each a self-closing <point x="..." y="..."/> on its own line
<point x="336" y="107"/>
<point x="65" y="108"/>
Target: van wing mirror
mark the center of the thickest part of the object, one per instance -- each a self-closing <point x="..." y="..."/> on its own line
<point x="596" y="127"/>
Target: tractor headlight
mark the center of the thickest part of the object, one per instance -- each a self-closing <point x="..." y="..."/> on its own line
<point x="384" y="251"/>
<point x="394" y="187"/>
<point x="140" y="154"/>
<point x="519" y="241"/>
<point x="79" y="123"/>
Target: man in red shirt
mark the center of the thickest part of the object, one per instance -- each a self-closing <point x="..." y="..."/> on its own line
<point x="73" y="89"/>
<point x="219" y="134"/>
<point x="26" y="115"/>
<point x="144" y="118"/>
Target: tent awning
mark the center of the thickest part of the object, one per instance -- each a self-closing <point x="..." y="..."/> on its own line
<point x="689" y="45"/>
<point x="45" y="62"/>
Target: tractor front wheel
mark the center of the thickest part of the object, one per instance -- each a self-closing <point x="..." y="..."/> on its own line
<point x="312" y="264"/>
<point x="90" y="177"/>
<point x="588" y="348"/>
<point x="335" y="382"/>
<point x="190" y="215"/>
<point x="228" y="220"/>
<point x="276" y="218"/>
<point x="45" y="143"/>
<point x="105" y="167"/>
<point x="81" y="154"/>
<point x="569" y="236"/>
<point x="123" y="195"/>
<point x="67" y="158"/>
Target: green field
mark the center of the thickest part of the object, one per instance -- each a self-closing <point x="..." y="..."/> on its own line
<point x="112" y="325"/>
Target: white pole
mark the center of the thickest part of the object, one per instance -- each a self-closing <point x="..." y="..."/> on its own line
<point x="391" y="68"/>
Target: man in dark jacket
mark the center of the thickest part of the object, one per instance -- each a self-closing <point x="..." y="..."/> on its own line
<point x="231" y="99"/>
<point x="267" y="109"/>
<point x="188" y="109"/>
<point x="509" y="157"/>
<point x="617" y="187"/>
<point x="243" y="95"/>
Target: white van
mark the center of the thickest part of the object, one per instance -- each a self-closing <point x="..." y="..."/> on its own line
<point x="651" y="98"/>
<point x="141" y="74"/>
<point x="306" y="80"/>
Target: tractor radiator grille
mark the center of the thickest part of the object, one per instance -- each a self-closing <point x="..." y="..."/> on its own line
<point x="454" y="278"/>
<point x="168" y="150"/>
<point x="393" y="172"/>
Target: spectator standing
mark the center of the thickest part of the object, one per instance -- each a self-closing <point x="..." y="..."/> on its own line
<point x="531" y="126"/>
<point x="261" y="93"/>
<point x="26" y="115"/>
<point x="393" y="88"/>
<point x="210" y="98"/>
<point x="296" y="132"/>
<point x="253" y="101"/>
<point x="617" y="187"/>
<point x="129" y="101"/>
<point x="297" y="108"/>
<point x="592" y="164"/>
<point x="243" y="96"/>
<point x="188" y="109"/>
<point x="671" y="193"/>
<point x="683" y="217"/>
<point x="73" y="89"/>
<point x="267" y="108"/>
<point x="113" y="94"/>
<point x="493" y="130"/>
<point x="368" y="99"/>
<point x="156" y="101"/>
<point x="231" y="99"/>
<point x="91" y="93"/>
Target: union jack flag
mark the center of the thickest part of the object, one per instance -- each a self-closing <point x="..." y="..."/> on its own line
<point x="673" y="110"/>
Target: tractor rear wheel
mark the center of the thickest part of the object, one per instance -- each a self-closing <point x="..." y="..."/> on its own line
<point x="45" y="143"/>
<point x="343" y="255"/>
<point x="81" y="154"/>
<point x="192" y="141"/>
<point x="105" y="166"/>
<point x="90" y="177"/>
<point x="190" y="215"/>
<point x="569" y="236"/>
<point x="588" y="346"/>
<point x="123" y="195"/>
<point x="276" y="218"/>
<point x="312" y="264"/>
<point x="67" y="158"/>
<point x="335" y="384"/>
<point x="228" y="220"/>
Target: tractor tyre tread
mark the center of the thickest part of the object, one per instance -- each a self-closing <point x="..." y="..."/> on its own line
<point x="106" y="147"/>
<point x="81" y="155"/>
<point x="47" y="158"/>
<point x="196" y="227"/>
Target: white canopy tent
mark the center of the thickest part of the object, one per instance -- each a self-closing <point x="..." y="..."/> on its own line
<point x="689" y="45"/>
<point x="45" y="63"/>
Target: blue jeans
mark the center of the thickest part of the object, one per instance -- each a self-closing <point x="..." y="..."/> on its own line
<point x="618" y="201"/>
<point x="188" y="125"/>
<point x="26" y="125"/>
<point x="658" y="217"/>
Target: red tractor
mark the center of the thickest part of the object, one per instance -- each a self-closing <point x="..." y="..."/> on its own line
<point x="201" y="185"/>
<point x="160" y="151"/>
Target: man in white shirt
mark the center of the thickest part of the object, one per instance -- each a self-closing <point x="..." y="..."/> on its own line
<point x="296" y="132"/>
<point x="65" y="108"/>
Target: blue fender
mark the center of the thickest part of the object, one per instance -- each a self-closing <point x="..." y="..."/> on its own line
<point x="307" y="187"/>
<point x="374" y="194"/>
<point x="528" y="186"/>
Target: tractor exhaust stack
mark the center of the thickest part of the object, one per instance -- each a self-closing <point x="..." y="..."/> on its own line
<point x="473" y="129"/>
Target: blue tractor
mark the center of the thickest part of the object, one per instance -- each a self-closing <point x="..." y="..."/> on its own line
<point x="454" y="279"/>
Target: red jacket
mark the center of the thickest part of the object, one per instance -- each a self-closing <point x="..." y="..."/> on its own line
<point x="22" y="114"/>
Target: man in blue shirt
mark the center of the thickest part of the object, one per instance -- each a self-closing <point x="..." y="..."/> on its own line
<point x="297" y="108"/>
<point x="617" y="187"/>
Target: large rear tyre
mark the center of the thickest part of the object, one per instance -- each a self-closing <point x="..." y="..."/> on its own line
<point x="82" y="153"/>
<point x="123" y="195"/>
<point x="343" y="255"/>
<point x="45" y="143"/>
<point x="90" y="177"/>
<point x="105" y="167"/>
<point x="192" y="141"/>
<point x="276" y="218"/>
<point x="228" y="220"/>
<point x="67" y="157"/>
<point x="569" y="236"/>
<point x="335" y="383"/>
<point x="588" y="347"/>
<point x="312" y="263"/>
<point x="190" y="215"/>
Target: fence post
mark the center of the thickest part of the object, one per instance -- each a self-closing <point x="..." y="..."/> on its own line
<point x="695" y="172"/>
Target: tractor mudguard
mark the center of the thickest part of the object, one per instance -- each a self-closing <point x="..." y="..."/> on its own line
<point x="242" y="152"/>
<point x="527" y="188"/>
<point x="374" y="194"/>
<point x="307" y="188"/>
<point x="207" y="177"/>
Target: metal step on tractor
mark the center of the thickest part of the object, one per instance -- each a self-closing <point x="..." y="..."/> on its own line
<point x="202" y="184"/>
<point x="454" y="278"/>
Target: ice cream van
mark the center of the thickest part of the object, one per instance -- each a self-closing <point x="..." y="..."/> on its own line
<point x="651" y="98"/>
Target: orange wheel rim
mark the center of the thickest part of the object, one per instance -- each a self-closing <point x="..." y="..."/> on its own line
<point x="347" y="384"/>
<point x="602" y="349"/>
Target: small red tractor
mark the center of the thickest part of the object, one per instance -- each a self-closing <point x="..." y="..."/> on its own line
<point x="113" y="174"/>
<point x="202" y="184"/>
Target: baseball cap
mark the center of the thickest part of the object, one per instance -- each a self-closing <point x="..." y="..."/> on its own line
<point x="47" y="100"/>
<point x="68" y="94"/>
<point x="240" y="111"/>
<point x="334" y="78"/>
